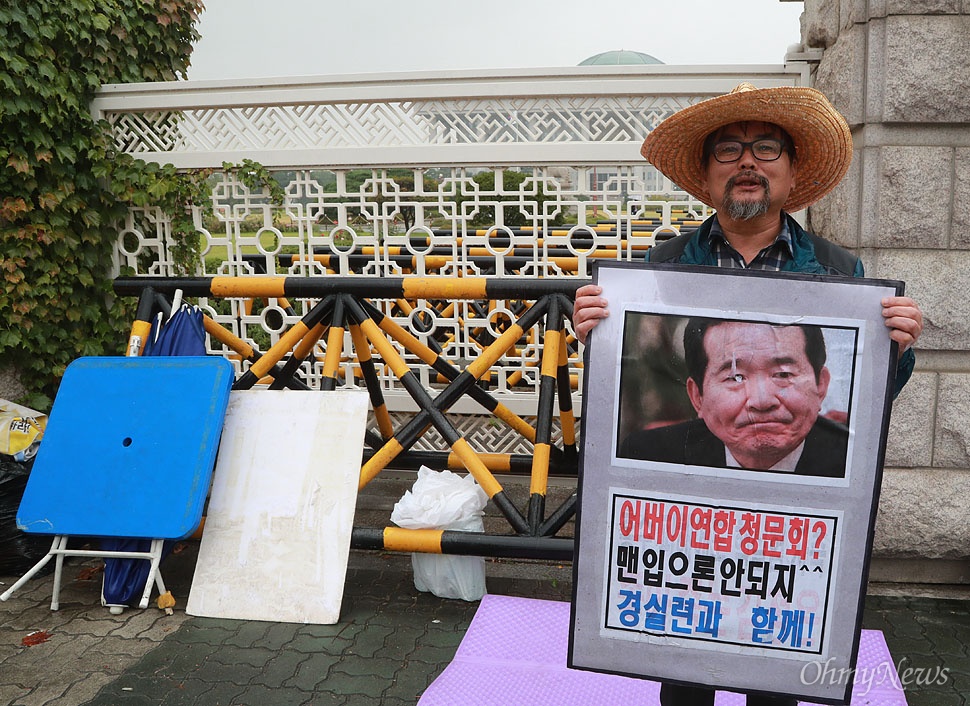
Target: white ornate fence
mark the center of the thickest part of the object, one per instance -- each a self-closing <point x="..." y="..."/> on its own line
<point x="380" y="172"/>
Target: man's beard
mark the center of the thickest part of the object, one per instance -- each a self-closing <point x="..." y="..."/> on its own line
<point x="746" y="210"/>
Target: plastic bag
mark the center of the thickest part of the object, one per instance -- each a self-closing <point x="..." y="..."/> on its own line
<point x="18" y="551"/>
<point x="444" y="500"/>
<point x="21" y="430"/>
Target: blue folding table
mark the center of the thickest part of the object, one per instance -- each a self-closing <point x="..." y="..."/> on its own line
<point x="128" y="452"/>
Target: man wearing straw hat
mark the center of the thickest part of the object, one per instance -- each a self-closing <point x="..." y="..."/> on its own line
<point x="756" y="155"/>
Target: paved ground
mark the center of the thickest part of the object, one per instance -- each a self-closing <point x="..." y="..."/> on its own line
<point x="390" y="644"/>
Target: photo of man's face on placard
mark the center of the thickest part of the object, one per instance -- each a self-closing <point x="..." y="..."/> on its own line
<point x="732" y="393"/>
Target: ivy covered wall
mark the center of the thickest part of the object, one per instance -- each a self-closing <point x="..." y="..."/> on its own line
<point x="62" y="184"/>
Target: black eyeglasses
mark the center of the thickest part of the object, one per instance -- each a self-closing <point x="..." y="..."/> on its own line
<point x="766" y="150"/>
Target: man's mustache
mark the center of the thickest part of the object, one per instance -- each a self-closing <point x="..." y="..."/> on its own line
<point x="750" y="176"/>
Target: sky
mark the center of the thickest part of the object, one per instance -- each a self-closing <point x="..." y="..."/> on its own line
<point x="259" y="38"/>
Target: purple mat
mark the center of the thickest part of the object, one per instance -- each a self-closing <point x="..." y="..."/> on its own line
<point x="515" y="653"/>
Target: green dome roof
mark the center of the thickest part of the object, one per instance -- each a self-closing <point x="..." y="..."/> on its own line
<point x="621" y="57"/>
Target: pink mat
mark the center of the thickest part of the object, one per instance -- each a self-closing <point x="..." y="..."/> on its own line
<point x="515" y="653"/>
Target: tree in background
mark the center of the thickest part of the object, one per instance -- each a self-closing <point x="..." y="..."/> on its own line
<point x="513" y="216"/>
<point x="376" y="186"/>
<point x="63" y="185"/>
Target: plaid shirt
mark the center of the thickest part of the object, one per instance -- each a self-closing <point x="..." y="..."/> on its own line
<point x="771" y="258"/>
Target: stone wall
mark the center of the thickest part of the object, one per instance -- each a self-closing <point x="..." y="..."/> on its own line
<point x="10" y="385"/>
<point x="899" y="70"/>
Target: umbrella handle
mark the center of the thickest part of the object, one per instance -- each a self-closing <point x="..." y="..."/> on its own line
<point x="176" y="303"/>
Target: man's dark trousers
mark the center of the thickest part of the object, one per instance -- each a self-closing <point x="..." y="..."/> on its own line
<point x="674" y="695"/>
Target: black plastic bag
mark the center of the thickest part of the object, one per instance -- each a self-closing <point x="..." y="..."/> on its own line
<point x="18" y="551"/>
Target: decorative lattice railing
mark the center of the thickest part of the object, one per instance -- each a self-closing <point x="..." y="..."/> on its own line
<point x="517" y="174"/>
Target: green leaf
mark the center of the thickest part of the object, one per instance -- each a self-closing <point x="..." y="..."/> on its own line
<point x="10" y="338"/>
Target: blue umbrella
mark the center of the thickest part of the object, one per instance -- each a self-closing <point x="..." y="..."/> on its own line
<point x="182" y="334"/>
<point x="124" y="579"/>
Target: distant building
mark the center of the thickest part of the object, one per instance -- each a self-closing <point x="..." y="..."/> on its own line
<point x="620" y="57"/>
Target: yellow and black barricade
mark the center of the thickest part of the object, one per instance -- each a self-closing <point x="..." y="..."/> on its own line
<point x="344" y="304"/>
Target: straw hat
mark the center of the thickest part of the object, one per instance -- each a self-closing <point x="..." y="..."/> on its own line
<point x="823" y="144"/>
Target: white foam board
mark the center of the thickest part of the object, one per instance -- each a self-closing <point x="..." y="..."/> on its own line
<point x="281" y="510"/>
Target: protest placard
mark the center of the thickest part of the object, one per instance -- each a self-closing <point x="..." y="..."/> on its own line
<point x="730" y="476"/>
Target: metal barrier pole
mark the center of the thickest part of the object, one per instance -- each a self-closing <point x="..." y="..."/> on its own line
<point x="142" y="325"/>
<point x="449" y="372"/>
<point x="362" y="349"/>
<point x="567" y="419"/>
<point x="246" y="351"/>
<point x="396" y="539"/>
<point x="335" y="346"/>
<point x="286" y="343"/>
<point x="547" y="398"/>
